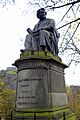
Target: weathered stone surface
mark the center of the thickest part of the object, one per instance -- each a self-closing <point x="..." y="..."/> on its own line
<point x="40" y="83"/>
<point x="32" y="89"/>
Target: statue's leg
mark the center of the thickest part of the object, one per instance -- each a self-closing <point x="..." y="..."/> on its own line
<point x="28" y="42"/>
<point x="44" y="37"/>
<point x="35" y="41"/>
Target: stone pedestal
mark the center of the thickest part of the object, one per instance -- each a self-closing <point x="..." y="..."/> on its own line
<point x="40" y="81"/>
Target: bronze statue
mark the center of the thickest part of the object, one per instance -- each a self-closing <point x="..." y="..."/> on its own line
<point x="44" y="36"/>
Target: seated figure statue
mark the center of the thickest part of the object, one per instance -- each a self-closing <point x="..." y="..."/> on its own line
<point x="44" y="36"/>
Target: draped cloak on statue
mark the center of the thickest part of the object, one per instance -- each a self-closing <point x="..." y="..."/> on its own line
<point x="43" y="37"/>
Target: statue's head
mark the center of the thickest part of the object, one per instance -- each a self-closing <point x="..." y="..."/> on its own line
<point x="41" y="13"/>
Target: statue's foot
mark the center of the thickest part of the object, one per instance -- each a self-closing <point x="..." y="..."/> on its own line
<point x="42" y="47"/>
<point x="22" y="50"/>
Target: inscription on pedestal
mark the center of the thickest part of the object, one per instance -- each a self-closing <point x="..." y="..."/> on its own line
<point x="31" y="89"/>
<point x="40" y="84"/>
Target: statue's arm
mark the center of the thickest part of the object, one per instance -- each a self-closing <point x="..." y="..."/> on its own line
<point x="47" y="27"/>
<point x="55" y="30"/>
<point x="29" y="31"/>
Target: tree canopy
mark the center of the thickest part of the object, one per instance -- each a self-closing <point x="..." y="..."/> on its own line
<point x="7" y="99"/>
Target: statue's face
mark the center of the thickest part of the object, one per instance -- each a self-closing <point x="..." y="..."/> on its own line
<point x="42" y="15"/>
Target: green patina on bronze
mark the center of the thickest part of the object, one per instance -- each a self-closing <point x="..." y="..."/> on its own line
<point x="39" y="55"/>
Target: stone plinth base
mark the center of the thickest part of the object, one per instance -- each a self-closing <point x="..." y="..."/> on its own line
<point x="40" y="81"/>
<point x="59" y="113"/>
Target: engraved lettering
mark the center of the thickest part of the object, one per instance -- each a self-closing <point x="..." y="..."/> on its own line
<point x="24" y="91"/>
<point x="24" y="103"/>
<point x="24" y="85"/>
<point x="23" y="80"/>
<point x="35" y="79"/>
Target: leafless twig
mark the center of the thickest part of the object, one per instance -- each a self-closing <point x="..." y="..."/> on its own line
<point x="68" y="23"/>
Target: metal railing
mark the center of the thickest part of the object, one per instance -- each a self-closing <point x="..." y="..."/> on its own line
<point x="35" y="117"/>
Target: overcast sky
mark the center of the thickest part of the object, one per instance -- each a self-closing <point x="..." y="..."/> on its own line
<point x="13" y="24"/>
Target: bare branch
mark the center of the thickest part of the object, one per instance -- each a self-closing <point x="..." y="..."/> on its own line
<point x="65" y="4"/>
<point x="73" y="13"/>
<point x="65" y="35"/>
<point x="53" y="2"/>
<point x="36" y="4"/>
<point x="76" y="49"/>
<point x="68" y="23"/>
<point x="5" y="2"/>
<point x="77" y="7"/>
<point x="67" y="45"/>
<point x="66" y="13"/>
<point x="74" y="31"/>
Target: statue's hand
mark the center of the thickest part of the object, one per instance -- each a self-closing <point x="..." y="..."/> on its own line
<point x="58" y="35"/>
<point x="29" y="31"/>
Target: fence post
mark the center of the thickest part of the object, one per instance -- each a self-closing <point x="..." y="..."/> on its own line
<point x="22" y="118"/>
<point x="34" y="116"/>
<point x="11" y="115"/>
<point x="64" y="116"/>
